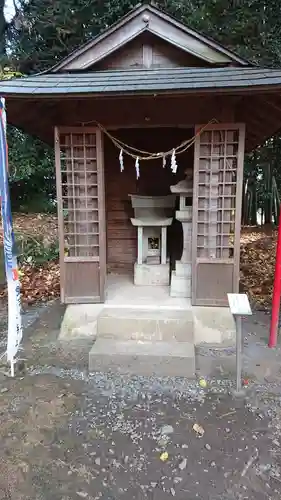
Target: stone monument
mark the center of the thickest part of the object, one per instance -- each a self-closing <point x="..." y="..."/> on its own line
<point x="181" y="277"/>
<point x="152" y="216"/>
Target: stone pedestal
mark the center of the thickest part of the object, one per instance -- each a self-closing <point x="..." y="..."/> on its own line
<point x="153" y="214"/>
<point x="150" y="274"/>
<point x="181" y="277"/>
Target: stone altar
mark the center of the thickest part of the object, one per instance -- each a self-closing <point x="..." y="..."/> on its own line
<point x="181" y="277"/>
<point x="152" y="216"/>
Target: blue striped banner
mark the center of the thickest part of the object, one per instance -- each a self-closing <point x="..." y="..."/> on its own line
<point x="11" y="267"/>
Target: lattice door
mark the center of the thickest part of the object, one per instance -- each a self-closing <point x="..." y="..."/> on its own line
<point x="81" y="214"/>
<point x="217" y="198"/>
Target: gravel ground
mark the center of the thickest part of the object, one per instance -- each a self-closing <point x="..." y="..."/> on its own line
<point x="65" y="434"/>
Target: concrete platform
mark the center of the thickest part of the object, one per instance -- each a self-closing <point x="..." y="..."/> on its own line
<point x="143" y="330"/>
<point x="122" y="293"/>
<point x="143" y="358"/>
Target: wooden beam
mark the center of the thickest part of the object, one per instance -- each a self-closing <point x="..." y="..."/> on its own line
<point x="274" y="114"/>
<point x="254" y="107"/>
<point x="258" y="117"/>
<point x="36" y="119"/>
<point x="275" y="105"/>
<point x="255" y="123"/>
<point x="40" y="116"/>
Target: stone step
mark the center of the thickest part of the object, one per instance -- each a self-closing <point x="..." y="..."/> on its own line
<point x="146" y="325"/>
<point x="180" y="286"/>
<point x="143" y="358"/>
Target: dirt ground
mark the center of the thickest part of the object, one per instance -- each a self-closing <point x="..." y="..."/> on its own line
<point x="66" y="434"/>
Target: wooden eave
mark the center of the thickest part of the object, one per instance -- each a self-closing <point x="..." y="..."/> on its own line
<point x="38" y="115"/>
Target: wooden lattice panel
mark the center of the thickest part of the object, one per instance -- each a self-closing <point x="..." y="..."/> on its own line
<point x="217" y="180"/>
<point x="81" y="213"/>
<point x="217" y="198"/>
<point x="79" y="185"/>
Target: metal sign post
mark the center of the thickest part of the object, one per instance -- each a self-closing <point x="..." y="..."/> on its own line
<point x="239" y="306"/>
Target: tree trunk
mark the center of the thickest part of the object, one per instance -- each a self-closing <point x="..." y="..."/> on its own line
<point x="254" y="208"/>
<point x="268" y="200"/>
<point x="2" y="30"/>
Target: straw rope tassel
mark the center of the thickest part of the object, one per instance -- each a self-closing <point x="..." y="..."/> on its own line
<point x="137" y="165"/>
<point x="174" y="165"/>
<point x="121" y="160"/>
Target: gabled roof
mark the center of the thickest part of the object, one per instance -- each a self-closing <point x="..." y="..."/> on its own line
<point x="147" y="18"/>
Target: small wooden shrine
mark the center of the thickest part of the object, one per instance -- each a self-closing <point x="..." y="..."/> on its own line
<point x="129" y="113"/>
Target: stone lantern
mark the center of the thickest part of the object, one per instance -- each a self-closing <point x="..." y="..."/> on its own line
<point x="152" y="216"/>
<point x="181" y="277"/>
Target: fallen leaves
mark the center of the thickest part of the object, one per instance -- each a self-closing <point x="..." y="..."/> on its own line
<point x="164" y="456"/>
<point x="38" y="284"/>
<point x="203" y="383"/>
<point x="42" y="226"/>
<point x="198" y="429"/>
<point x="257" y="264"/>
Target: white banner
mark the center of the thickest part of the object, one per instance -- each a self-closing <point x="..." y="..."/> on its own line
<point x="12" y="275"/>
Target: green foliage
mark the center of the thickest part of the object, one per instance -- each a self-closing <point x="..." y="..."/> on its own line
<point x="31" y="167"/>
<point x="32" y="174"/>
<point x="260" y="196"/>
<point x="7" y="73"/>
<point x="51" y="29"/>
<point x="34" y="252"/>
<point x="251" y="28"/>
<point x="262" y="182"/>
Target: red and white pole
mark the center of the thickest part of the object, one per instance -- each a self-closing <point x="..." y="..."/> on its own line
<point x="276" y="292"/>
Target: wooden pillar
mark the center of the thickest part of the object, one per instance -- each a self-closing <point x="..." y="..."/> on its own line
<point x="163" y="245"/>
<point x="140" y="244"/>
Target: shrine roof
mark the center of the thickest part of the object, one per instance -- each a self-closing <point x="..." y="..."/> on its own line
<point x="143" y="81"/>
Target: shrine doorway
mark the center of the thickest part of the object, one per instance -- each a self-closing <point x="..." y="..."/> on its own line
<point x="154" y="180"/>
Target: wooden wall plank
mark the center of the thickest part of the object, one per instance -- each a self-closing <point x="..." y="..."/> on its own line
<point x="148" y="51"/>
